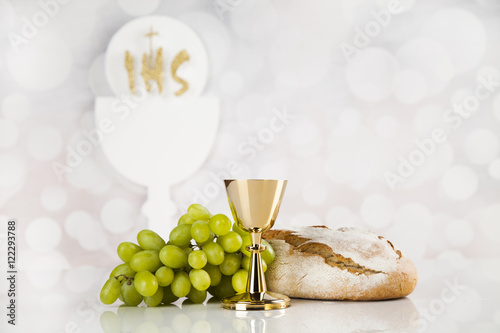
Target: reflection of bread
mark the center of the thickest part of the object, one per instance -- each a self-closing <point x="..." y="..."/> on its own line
<point x="343" y="264"/>
<point x="392" y="316"/>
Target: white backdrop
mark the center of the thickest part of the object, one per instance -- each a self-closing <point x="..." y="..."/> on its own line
<point x="335" y="96"/>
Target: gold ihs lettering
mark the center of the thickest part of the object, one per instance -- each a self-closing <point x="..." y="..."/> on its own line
<point x="152" y="69"/>
<point x="179" y="59"/>
<point x="129" y="66"/>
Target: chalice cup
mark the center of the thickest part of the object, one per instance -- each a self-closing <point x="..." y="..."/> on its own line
<point x="255" y="204"/>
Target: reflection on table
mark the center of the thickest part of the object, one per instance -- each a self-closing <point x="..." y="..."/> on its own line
<point x="303" y="316"/>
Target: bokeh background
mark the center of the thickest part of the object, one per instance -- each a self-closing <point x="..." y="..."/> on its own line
<point x="352" y="119"/>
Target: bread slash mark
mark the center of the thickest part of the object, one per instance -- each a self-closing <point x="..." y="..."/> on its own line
<point x="336" y="260"/>
<point x="333" y="259"/>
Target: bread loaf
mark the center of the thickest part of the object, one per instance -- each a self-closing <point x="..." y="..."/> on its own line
<point x="344" y="264"/>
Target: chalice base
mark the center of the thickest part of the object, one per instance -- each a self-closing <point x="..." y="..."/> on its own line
<point x="264" y="301"/>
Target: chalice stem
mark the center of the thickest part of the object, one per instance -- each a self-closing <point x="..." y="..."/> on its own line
<point x="256" y="284"/>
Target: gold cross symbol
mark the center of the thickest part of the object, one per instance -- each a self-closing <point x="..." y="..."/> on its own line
<point x="151" y="34"/>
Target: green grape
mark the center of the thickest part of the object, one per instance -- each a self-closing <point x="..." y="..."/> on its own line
<point x="165" y="276"/>
<point x="156" y="299"/>
<point x="130" y="296"/>
<point x="239" y="281"/>
<point x="110" y="291"/>
<point x="214" y="252"/>
<point x="230" y="242"/>
<point x="186" y="219"/>
<point x="147" y="260"/>
<point x="197" y="296"/>
<point x="268" y="255"/>
<point x="240" y="231"/>
<point x="219" y="224"/>
<point x="224" y="288"/>
<point x="211" y="290"/>
<point x="245" y="241"/>
<point x="181" y="286"/>
<point x="231" y="264"/>
<point x="200" y="231"/>
<point x="209" y="240"/>
<point x="198" y="212"/>
<point x="123" y="269"/>
<point x="173" y="256"/>
<point x="200" y="279"/>
<point x="150" y="240"/>
<point x="215" y="274"/>
<point x="197" y="259"/>
<point x="180" y="235"/>
<point x="146" y="283"/>
<point x="126" y="250"/>
<point x="187" y="250"/>
<point x="245" y="263"/>
<point x="168" y="296"/>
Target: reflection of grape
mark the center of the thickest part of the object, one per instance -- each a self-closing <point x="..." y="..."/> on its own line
<point x="110" y="322"/>
<point x="202" y="326"/>
<point x="202" y="254"/>
<point x="181" y="323"/>
<point x="146" y="327"/>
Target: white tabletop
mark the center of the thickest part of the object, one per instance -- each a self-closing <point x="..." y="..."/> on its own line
<point x="451" y="296"/>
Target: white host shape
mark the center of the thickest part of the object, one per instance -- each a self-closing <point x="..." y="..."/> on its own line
<point x="162" y="139"/>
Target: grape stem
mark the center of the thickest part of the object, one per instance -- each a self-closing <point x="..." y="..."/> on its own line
<point x="129" y="279"/>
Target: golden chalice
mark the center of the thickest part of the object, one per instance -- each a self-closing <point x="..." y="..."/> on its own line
<point x="255" y="204"/>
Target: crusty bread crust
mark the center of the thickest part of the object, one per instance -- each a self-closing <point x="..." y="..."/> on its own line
<point x="344" y="264"/>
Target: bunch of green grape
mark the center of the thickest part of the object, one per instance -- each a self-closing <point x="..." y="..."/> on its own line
<point x="202" y="255"/>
